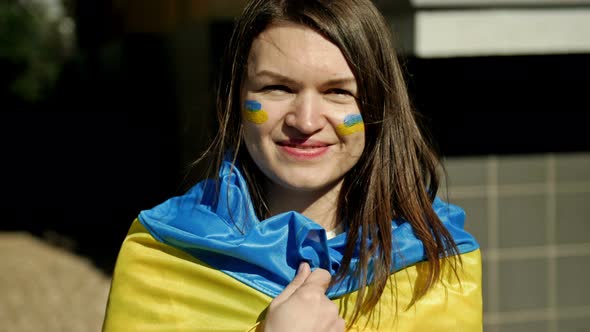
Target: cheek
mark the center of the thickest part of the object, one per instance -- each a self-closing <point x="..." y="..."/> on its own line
<point x="256" y="132"/>
<point x="252" y="112"/>
<point x="253" y="134"/>
<point x="351" y="124"/>
<point x="360" y="144"/>
<point x="356" y="144"/>
<point x="253" y="142"/>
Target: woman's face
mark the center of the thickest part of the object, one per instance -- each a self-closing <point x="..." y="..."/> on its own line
<point x="302" y="123"/>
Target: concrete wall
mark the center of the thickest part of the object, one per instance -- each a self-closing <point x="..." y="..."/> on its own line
<point x="530" y="214"/>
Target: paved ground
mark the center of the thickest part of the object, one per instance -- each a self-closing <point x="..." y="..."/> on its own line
<point x="45" y="288"/>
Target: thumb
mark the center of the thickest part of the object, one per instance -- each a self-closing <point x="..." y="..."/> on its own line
<point x="320" y="278"/>
<point x="302" y="273"/>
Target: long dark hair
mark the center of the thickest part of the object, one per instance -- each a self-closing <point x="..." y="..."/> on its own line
<point x="396" y="176"/>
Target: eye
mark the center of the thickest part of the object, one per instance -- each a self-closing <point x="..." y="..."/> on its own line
<point x="340" y="92"/>
<point x="340" y="95"/>
<point x="276" y="88"/>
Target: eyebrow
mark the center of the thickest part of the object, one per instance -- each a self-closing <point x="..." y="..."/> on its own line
<point x="282" y="78"/>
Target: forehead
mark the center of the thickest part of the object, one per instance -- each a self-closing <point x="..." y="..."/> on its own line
<point x="293" y="49"/>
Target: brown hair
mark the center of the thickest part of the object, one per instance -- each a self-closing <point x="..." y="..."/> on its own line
<point x="396" y="176"/>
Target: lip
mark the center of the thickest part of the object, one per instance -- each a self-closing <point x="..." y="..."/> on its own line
<point x="304" y="149"/>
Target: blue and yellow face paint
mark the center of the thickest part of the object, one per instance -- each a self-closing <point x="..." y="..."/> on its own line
<point x="253" y="112"/>
<point x="353" y="123"/>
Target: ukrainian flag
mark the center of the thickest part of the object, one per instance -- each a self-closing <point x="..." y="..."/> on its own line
<point x="253" y="112"/>
<point x="191" y="265"/>
<point x="353" y="123"/>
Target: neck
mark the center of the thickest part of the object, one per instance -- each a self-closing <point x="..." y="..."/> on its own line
<point x="319" y="205"/>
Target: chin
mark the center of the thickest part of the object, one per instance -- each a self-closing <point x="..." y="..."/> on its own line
<point x="303" y="184"/>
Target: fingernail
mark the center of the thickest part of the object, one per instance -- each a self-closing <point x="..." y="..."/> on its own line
<point x="300" y="268"/>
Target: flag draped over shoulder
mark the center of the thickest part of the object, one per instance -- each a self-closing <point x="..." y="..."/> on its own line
<point x="194" y="263"/>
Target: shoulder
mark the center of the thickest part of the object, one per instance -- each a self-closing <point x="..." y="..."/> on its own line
<point x="453" y="218"/>
<point x="155" y="285"/>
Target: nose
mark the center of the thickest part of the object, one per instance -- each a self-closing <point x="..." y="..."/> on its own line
<point x="307" y="115"/>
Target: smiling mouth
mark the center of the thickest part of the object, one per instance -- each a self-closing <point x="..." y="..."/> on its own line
<point x="303" y="146"/>
<point x="303" y="149"/>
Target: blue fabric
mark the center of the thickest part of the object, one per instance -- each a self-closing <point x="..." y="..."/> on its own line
<point x="265" y="254"/>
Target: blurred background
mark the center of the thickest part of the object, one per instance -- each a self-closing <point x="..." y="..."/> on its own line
<point x="104" y="104"/>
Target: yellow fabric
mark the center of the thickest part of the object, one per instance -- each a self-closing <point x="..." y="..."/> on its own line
<point x="449" y="306"/>
<point x="156" y="287"/>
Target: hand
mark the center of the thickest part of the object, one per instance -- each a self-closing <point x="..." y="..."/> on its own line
<point x="303" y="305"/>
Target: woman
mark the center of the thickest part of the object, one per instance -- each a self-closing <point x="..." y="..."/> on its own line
<point x="320" y="167"/>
